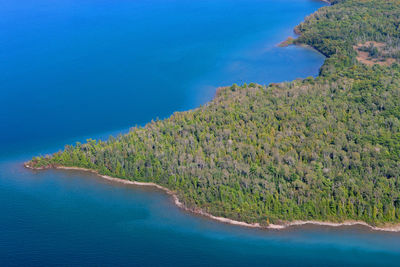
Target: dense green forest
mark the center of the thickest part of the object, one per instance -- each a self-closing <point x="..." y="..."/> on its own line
<point x="325" y="148"/>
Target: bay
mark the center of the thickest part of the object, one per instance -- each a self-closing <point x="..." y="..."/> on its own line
<point x="74" y="69"/>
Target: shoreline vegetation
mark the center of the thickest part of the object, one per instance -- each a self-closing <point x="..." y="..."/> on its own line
<point x="287" y="42"/>
<point x="323" y="151"/>
<point x="292" y="41"/>
<point x="177" y="202"/>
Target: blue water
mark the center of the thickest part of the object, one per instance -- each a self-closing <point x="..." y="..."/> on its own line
<point x="72" y="69"/>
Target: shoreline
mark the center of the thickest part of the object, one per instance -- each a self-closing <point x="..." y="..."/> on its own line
<point x="284" y="225"/>
<point x="290" y="40"/>
<point x="177" y="202"/>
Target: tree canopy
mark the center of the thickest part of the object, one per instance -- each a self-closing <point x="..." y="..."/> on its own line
<point x="325" y="148"/>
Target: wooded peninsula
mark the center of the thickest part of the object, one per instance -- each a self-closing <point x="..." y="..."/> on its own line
<point x="323" y="149"/>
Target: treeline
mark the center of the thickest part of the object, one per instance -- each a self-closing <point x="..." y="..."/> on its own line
<point x="334" y="30"/>
<point x="320" y="149"/>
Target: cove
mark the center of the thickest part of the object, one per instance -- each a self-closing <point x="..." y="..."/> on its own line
<point x="77" y="69"/>
<point x="73" y="68"/>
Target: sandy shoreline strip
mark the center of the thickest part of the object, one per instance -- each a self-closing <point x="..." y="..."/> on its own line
<point x="393" y="228"/>
<point x="326" y="1"/>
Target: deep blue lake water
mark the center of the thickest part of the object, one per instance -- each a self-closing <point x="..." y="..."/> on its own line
<point x="72" y="69"/>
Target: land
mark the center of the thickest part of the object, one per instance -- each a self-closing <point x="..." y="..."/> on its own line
<point x="371" y="53"/>
<point x="327" y="1"/>
<point x="322" y="150"/>
<point x="287" y="42"/>
<point x="284" y="225"/>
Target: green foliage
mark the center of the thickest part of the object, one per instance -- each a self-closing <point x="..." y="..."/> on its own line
<point x="325" y="148"/>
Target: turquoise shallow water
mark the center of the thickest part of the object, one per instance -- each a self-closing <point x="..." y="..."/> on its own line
<point x="72" y="69"/>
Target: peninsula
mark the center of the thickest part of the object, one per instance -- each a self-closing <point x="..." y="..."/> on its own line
<point x="324" y="150"/>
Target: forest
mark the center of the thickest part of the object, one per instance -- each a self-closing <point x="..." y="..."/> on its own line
<point x="325" y="148"/>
